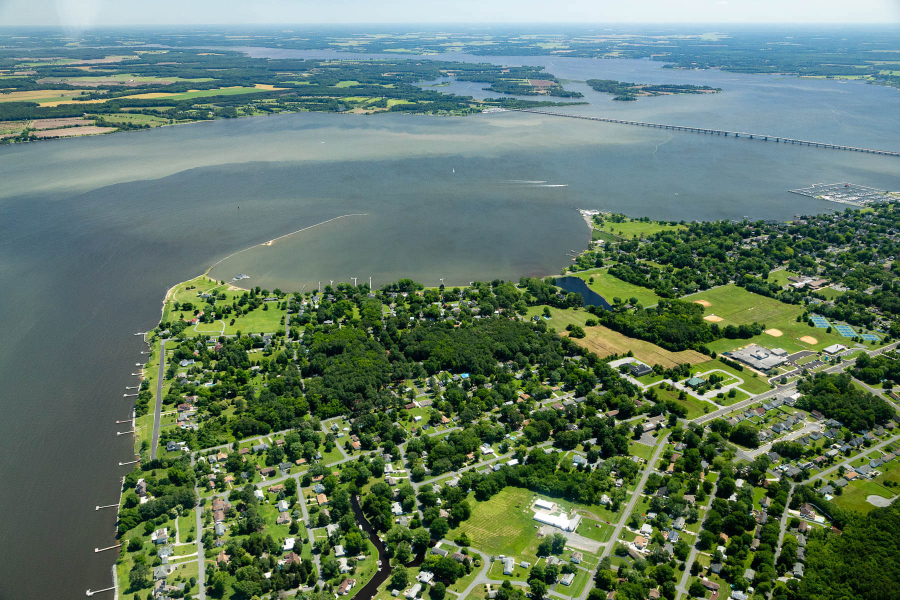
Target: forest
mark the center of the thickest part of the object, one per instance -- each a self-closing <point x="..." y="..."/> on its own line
<point x="835" y="396"/>
<point x="629" y="92"/>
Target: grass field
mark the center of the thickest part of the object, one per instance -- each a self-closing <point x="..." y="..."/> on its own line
<point x="737" y="306"/>
<point x="611" y="287"/>
<point x="594" y="530"/>
<point x="855" y="494"/>
<point x="636" y="229"/>
<point x="694" y="406"/>
<point x="502" y="525"/>
<point x="41" y="96"/>
<point x="229" y="91"/>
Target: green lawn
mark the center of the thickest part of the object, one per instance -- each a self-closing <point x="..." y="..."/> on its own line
<point x="611" y="287"/>
<point x="636" y="229"/>
<point x="856" y="492"/>
<point x="737" y="306"/>
<point x="695" y="407"/>
<point x="573" y="591"/>
<point x="640" y="450"/>
<point x="751" y="384"/>
<point x="594" y="530"/>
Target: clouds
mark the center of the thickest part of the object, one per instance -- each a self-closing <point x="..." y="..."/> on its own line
<point x="82" y="14"/>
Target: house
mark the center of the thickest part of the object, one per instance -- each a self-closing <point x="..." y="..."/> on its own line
<point x="284" y="518"/>
<point x="577" y="557"/>
<point x="141" y="488"/>
<point x="171" y="446"/>
<point x="425" y="577"/>
<point x="160" y="536"/>
<point x="396" y="509"/>
<point x="344" y="567"/>
<point x="289" y="544"/>
<point x="413" y="591"/>
<point x="640" y="542"/>
<point x="339" y="550"/>
<point x="525" y="564"/>
<point x="321" y="499"/>
<point x="695" y="382"/>
<point x="346" y="586"/>
<point x="292" y="558"/>
<point x="646" y="529"/>
<point x="267" y="471"/>
<point x="716" y="568"/>
<point x="509" y="564"/>
<point x="439" y="551"/>
<point x="567" y="579"/>
<point x="220" y="529"/>
<point x="749" y="574"/>
<point x="162" y="571"/>
<point x="282" y="505"/>
<point x="318" y="488"/>
<point x="798" y="570"/>
<point x="678" y="523"/>
<point x="672" y="536"/>
<point x="545" y="504"/>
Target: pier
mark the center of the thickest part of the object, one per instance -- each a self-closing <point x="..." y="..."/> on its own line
<point x="107" y="506"/>
<point x="124" y="432"/>
<point x="105" y="549"/>
<point x="91" y="593"/>
<point x="737" y="134"/>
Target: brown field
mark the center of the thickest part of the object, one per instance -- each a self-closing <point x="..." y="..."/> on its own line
<point x="775" y="332"/>
<point x="266" y="86"/>
<point x="605" y="341"/>
<point x="63" y="122"/>
<point x="809" y="340"/>
<point x="713" y="318"/>
<point x="73" y="131"/>
<point x="703" y="303"/>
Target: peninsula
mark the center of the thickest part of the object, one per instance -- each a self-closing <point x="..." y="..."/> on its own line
<point x="727" y="424"/>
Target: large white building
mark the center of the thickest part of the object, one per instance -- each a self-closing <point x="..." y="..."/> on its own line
<point x="562" y="521"/>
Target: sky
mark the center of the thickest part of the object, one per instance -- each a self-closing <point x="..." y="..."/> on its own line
<point x="98" y="13"/>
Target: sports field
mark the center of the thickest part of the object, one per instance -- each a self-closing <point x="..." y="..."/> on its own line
<point x="737" y="306"/>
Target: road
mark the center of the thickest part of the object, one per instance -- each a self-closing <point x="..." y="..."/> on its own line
<point x="683" y="584"/>
<point x="157" y="416"/>
<point x="201" y="573"/>
<point x="626" y="513"/>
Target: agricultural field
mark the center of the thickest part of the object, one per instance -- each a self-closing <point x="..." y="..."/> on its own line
<point x="736" y="306"/>
<point x="135" y="119"/>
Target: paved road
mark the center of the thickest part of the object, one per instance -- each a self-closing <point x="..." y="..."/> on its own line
<point x="201" y="574"/>
<point x="626" y="513"/>
<point x="683" y="584"/>
<point x="783" y="524"/>
<point x="846" y="462"/>
<point x="159" y="385"/>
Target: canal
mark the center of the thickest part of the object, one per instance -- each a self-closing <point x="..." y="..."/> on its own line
<point x="384" y="571"/>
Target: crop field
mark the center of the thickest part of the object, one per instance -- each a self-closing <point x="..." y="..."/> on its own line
<point x="605" y="341"/>
<point x="737" y="306"/>
<point x="41" y="96"/>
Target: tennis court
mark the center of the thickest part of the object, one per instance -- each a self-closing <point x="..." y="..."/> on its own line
<point x="820" y="322"/>
<point x="845" y="330"/>
<point x="870" y="337"/>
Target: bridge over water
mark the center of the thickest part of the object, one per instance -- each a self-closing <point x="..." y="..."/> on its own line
<point x="737" y="134"/>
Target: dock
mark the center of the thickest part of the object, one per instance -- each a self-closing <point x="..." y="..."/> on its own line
<point x="107" y="506"/>
<point x="92" y="592"/>
<point x="737" y="134"/>
<point x="105" y="549"/>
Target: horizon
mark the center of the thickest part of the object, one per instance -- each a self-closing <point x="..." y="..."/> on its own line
<point x="91" y="14"/>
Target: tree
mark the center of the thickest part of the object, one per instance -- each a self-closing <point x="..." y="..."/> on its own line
<point x="538" y="589"/>
<point x="559" y="543"/>
<point x="438" y="590"/>
<point x="697" y="590"/>
<point x="399" y="577"/>
<point x="439" y="528"/>
<point x="139" y="575"/>
<point x="545" y="548"/>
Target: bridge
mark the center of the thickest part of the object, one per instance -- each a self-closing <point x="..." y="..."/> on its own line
<point x="737" y="134"/>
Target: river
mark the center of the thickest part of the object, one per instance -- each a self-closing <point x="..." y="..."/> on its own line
<point x="93" y="232"/>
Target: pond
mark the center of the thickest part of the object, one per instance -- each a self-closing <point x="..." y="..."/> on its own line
<point x="577" y="285"/>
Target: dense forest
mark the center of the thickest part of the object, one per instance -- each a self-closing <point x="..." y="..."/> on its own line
<point x="837" y="398"/>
